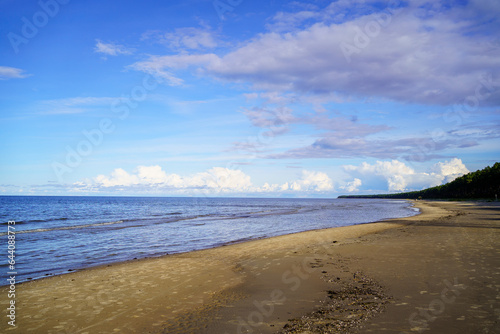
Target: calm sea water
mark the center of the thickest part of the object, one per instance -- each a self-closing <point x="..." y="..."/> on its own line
<point x="57" y="234"/>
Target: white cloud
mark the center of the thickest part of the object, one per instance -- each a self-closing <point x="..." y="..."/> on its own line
<point x="450" y="170"/>
<point x="153" y="174"/>
<point x="184" y="38"/>
<point x="163" y="66"/>
<point x="270" y="188"/>
<point x="111" y="49"/>
<point x="313" y="181"/>
<point x="217" y="180"/>
<point x="396" y="173"/>
<point x="419" y="54"/>
<point x="284" y="21"/>
<point x="7" y="73"/>
<point x="398" y="177"/>
<point x="119" y="177"/>
<point x="424" y="52"/>
<point x="221" y="179"/>
<point x="352" y="186"/>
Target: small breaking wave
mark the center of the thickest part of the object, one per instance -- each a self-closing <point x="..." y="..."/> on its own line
<point x="66" y="227"/>
<point x="37" y="221"/>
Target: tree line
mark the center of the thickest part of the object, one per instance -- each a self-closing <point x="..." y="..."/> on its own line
<point x="481" y="184"/>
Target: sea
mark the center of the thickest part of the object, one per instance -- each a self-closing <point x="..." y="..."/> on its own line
<point x="56" y="235"/>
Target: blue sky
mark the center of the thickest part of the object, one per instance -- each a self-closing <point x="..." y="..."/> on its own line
<point x="246" y="98"/>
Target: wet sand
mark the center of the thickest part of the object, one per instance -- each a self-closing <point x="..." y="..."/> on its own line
<point x="438" y="272"/>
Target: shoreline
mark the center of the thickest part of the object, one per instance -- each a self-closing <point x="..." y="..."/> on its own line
<point x="69" y="270"/>
<point x="256" y="285"/>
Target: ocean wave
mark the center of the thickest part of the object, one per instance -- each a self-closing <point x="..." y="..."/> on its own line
<point x="165" y="214"/>
<point x="199" y="220"/>
<point x="37" y="220"/>
<point x="169" y="221"/>
<point x="66" y="227"/>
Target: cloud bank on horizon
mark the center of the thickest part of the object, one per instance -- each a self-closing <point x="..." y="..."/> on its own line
<point x="301" y="98"/>
<point x="395" y="175"/>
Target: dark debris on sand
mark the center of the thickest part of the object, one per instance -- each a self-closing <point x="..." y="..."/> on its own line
<point x="349" y="304"/>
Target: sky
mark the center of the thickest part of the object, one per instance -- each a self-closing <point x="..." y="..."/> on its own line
<point x="246" y="98"/>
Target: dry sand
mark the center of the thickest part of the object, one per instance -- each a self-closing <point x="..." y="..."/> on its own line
<point x="438" y="272"/>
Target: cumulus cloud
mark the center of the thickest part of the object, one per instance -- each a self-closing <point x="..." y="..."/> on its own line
<point x="312" y="181"/>
<point x="154" y="175"/>
<point x="217" y="180"/>
<point x="396" y="176"/>
<point x="396" y="173"/>
<point x="119" y="177"/>
<point x="450" y="170"/>
<point x="7" y="73"/>
<point x="352" y="186"/>
<point x="423" y="53"/>
<point x="111" y="49"/>
<point x="222" y="179"/>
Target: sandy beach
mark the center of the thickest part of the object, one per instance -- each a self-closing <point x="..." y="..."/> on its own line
<point x="438" y="272"/>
